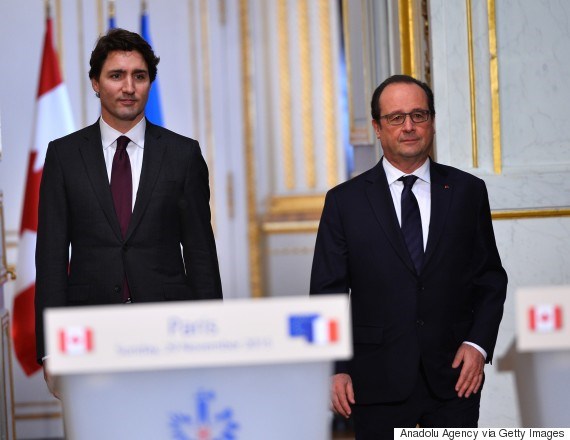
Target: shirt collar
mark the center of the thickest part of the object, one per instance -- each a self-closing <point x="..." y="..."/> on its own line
<point x="109" y="135"/>
<point x="393" y="173"/>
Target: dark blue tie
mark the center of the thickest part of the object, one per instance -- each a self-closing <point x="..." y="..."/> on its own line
<point x="412" y="223"/>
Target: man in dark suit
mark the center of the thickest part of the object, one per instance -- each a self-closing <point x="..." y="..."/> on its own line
<point x="127" y="199"/>
<point x="418" y="257"/>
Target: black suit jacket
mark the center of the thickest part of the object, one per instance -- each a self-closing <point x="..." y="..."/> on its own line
<point x="401" y="318"/>
<point x="77" y="216"/>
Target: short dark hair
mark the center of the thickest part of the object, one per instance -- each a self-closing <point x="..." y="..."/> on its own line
<point x="122" y="40"/>
<point x="394" y="79"/>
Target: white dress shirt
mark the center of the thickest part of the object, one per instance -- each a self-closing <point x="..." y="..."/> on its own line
<point x="135" y="149"/>
<point x="422" y="191"/>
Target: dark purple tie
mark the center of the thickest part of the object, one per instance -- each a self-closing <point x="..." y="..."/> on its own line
<point x="122" y="190"/>
<point x="412" y="222"/>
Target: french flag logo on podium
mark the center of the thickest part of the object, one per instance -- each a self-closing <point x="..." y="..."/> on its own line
<point x="314" y="328"/>
<point x="545" y="318"/>
<point x="76" y="340"/>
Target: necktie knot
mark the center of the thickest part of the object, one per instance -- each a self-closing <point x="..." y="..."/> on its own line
<point x="122" y="142"/>
<point x="408" y="181"/>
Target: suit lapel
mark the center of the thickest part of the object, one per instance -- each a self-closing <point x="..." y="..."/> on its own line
<point x="92" y="153"/>
<point x="152" y="160"/>
<point x="441" y="196"/>
<point x="380" y="199"/>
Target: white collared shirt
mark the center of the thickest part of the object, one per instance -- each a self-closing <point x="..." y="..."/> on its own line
<point x="421" y="189"/>
<point x="135" y="149"/>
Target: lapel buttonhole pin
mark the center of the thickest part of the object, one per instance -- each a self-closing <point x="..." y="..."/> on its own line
<point x="446" y="186"/>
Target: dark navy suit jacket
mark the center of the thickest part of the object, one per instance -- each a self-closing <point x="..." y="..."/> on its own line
<point x="401" y="318"/>
<point x="76" y="213"/>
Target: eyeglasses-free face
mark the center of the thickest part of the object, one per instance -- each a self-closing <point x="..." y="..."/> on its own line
<point x="417" y="117"/>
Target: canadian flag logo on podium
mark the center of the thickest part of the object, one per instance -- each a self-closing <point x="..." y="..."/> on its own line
<point x="76" y="340"/>
<point x="545" y="318"/>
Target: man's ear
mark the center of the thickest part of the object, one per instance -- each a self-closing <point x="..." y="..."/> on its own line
<point x="95" y="85"/>
<point x="377" y="128"/>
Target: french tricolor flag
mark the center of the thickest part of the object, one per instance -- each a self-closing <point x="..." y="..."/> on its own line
<point x="314" y="328"/>
<point x="325" y="331"/>
<point x="545" y="318"/>
<point x="76" y="340"/>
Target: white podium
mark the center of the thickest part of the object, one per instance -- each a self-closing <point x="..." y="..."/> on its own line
<point x="241" y="369"/>
<point x="542" y="358"/>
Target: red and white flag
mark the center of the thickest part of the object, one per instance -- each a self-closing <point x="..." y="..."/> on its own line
<point x="325" y="331"/>
<point x="76" y="340"/>
<point x="545" y="318"/>
<point x="53" y="120"/>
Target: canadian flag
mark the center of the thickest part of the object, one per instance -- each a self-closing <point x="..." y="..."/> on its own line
<point x="325" y="331"/>
<point x="545" y="318"/>
<point x="53" y="119"/>
<point x="76" y="340"/>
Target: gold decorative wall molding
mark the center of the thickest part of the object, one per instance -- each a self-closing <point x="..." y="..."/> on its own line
<point x="494" y="77"/>
<point x="427" y="45"/>
<point x="524" y="213"/>
<point x="293" y="250"/>
<point x="474" y="147"/>
<point x="285" y="95"/>
<point x="293" y="214"/>
<point x="207" y="102"/>
<point x="408" y="38"/>
<point x="303" y="204"/>
<point x="285" y="222"/>
<point x="248" y="110"/>
<point x="290" y="227"/>
<point x="329" y="91"/>
<point x="306" y="93"/>
<point x="7" y="375"/>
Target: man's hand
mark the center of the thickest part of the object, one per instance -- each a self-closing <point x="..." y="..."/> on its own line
<point x="342" y="394"/>
<point x="50" y="382"/>
<point x="471" y="376"/>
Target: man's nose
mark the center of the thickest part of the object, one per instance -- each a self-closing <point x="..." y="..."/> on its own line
<point x="129" y="85"/>
<point x="408" y="124"/>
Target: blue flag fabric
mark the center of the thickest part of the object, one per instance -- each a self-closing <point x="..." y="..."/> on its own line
<point x="153" y="110"/>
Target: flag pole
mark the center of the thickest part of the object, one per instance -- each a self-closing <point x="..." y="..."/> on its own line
<point x="111" y="7"/>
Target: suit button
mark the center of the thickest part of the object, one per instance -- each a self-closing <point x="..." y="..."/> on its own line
<point x="117" y="288"/>
<point x="420" y="322"/>
<point x="125" y="248"/>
